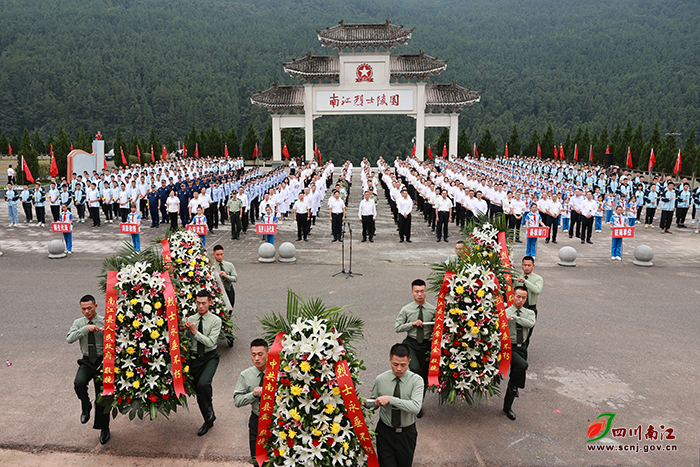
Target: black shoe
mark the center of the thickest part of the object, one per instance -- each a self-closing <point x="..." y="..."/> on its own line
<point x="363" y="240"/>
<point x="371" y="241"/>
<point x="298" y="239"/>
<point x="229" y="341"/>
<point x="510" y="413"/>
<point x="205" y="428"/>
<point x="210" y="415"/>
<point x="335" y="239"/>
<point x="306" y="239"/>
<point x="438" y="240"/>
<point x="588" y="241"/>
<point x="401" y="241"/>
<point x="420" y="414"/>
<point x="546" y="240"/>
<point x="408" y="241"/>
<point x="104" y="436"/>
<point x="582" y="242"/>
<point x="554" y="241"/>
<point x="85" y="417"/>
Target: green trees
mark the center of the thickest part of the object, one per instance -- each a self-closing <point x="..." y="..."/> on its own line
<point x="249" y="141"/>
<point x="119" y="145"/>
<point x="514" y="143"/>
<point x="487" y="145"/>
<point x="30" y="157"/>
<point x="61" y="150"/>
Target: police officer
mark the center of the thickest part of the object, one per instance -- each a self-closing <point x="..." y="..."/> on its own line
<point x="89" y="331"/>
<point x="163" y="193"/>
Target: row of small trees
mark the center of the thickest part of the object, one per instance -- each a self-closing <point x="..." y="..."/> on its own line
<point x="214" y="142"/>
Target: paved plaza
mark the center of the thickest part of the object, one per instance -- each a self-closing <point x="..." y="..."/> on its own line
<point x="611" y="338"/>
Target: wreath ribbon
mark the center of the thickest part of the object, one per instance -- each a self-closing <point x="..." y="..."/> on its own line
<point x="354" y="411"/>
<point x="267" y="399"/>
<point x="174" y="333"/>
<point x="167" y="255"/>
<point x="109" y="335"/>
<point x="506" y="263"/>
<point x="436" y="345"/>
<point x="506" y="349"/>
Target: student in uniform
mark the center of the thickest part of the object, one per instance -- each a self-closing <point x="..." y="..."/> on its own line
<point x="410" y="320"/>
<point x="79" y="200"/>
<point x="532" y="219"/>
<point x="520" y="321"/>
<point x="200" y="219"/>
<point x="135" y="218"/>
<point x="39" y="202"/>
<point x="249" y="388"/>
<point x="89" y="331"/>
<point x="116" y="204"/>
<point x="269" y="218"/>
<point x="93" y="199"/>
<point x="632" y="209"/>
<point x="398" y="393"/>
<point x="668" y="206"/>
<point x="598" y="216"/>
<point x="617" y="220"/>
<point x="650" y="201"/>
<point x="123" y="202"/>
<point x="67" y="217"/>
<point x="107" y="202"/>
<point x="204" y="329"/>
<point x="26" y="197"/>
<point x="55" y="202"/>
<point x="11" y="198"/>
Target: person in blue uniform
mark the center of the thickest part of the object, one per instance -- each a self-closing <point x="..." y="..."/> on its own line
<point x="153" y="199"/>
<point x="163" y="193"/>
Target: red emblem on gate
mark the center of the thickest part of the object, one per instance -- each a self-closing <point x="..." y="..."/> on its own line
<point x="364" y="73"/>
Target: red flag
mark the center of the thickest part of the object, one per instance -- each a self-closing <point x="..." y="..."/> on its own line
<point x="561" y="152"/>
<point x="476" y="154"/>
<point x="590" y="154"/>
<point x="153" y="156"/>
<point x="71" y="146"/>
<point x="27" y="173"/>
<point x="316" y="149"/>
<point x="539" y="151"/>
<point x="319" y="157"/>
<point x="444" y="150"/>
<point x="430" y="153"/>
<point x="104" y="163"/>
<point x="556" y="152"/>
<point x="196" y="150"/>
<point x="629" y="157"/>
<point x="226" y="150"/>
<point x="413" y="151"/>
<point x="607" y="149"/>
<point x="184" y="150"/>
<point x="652" y="160"/>
<point x="506" y="155"/>
<point x="123" y="156"/>
<point x="285" y="151"/>
<point x="51" y="149"/>
<point x="10" y="147"/>
<point x="679" y="164"/>
<point x="54" y="168"/>
<point x="165" y="153"/>
<point x="138" y="153"/>
<point x="256" y="151"/>
<point x="576" y="152"/>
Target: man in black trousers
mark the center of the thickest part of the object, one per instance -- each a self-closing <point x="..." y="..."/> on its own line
<point x="520" y="321"/>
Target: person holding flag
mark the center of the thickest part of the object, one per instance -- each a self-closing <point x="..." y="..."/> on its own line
<point x="532" y="219"/>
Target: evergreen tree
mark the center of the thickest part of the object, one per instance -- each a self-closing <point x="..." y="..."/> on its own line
<point x="61" y="150"/>
<point x="584" y="146"/>
<point x="38" y="143"/>
<point x="636" y="145"/>
<point x="81" y="141"/>
<point x="171" y="146"/>
<point x="249" y="142"/>
<point x="530" y="149"/>
<point x="214" y="144"/>
<point x="655" y="144"/>
<point x="4" y="142"/>
<point x="14" y="142"/>
<point x="463" y="145"/>
<point x="487" y="145"/>
<point x="443" y="139"/>
<point x="154" y="142"/>
<point x="514" y="143"/>
<point x="547" y="143"/>
<point x="569" y="147"/>
<point x="133" y="143"/>
<point x="616" y="148"/>
<point x="293" y="145"/>
<point x="691" y="153"/>
<point x="627" y="136"/>
<point x="234" y="148"/>
<point x="603" y="142"/>
<point x="594" y="143"/>
<point x="30" y="157"/>
<point x="50" y="141"/>
<point x="119" y="145"/>
<point x="669" y="151"/>
<point x="266" y="148"/>
<point x="191" y="141"/>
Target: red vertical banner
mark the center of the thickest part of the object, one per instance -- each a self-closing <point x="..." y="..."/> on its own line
<point x="109" y="335"/>
<point x="173" y="332"/>
<point x="506" y="350"/>
<point x="505" y="259"/>
<point x="267" y="399"/>
<point x="435" y="347"/>
<point x="354" y="412"/>
<point x="167" y="256"/>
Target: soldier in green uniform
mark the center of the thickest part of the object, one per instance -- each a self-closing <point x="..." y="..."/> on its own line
<point x="227" y="271"/>
<point x="520" y="322"/>
<point x="234" y="209"/>
<point x="204" y="329"/>
<point x="89" y="331"/>
<point x="249" y="388"/>
<point x="534" y="285"/>
<point x="399" y="394"/>
<point x="410" y="320"/>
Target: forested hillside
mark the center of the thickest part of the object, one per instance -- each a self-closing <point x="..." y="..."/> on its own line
<point x="182" y="70"/>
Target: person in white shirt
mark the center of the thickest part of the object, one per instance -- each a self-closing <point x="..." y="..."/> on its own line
<point x="336" y="208"/>
<point x="246" y="206"/>
<point x="576" y="220"/>
<point x="553" y="211"/>
<point x="194" y="204"/>
<point x="479" y="206"/>
<point x="55" y="202"/>
<point x="93" y="199"/>
<point x="588" y="208"/>
<point x="517" y="208"/>
<point x="404" y="206"/>
<point x="367" y="214"/>
<point x="173" y="206"/>
<point x="443" y="212"/>
<point x="10" y="175"/>
<point x="206" y="202"/>
<point x="123" y="203"/>
<point x="303" y="216"/>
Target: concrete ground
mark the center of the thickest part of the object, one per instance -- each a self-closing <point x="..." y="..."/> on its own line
<point x="611" y="337"/>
